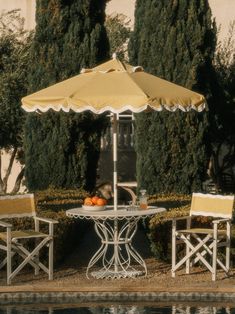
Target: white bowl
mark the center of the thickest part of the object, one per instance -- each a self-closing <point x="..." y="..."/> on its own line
<point x="93" y="208"/>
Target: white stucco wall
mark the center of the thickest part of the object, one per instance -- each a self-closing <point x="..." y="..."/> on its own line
<point x="27" y="10"/>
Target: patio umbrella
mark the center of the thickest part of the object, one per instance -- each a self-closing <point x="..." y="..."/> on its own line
<point x="116" y="87"/>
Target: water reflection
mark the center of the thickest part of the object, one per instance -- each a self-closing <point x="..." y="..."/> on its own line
<point x="116" y="309"/>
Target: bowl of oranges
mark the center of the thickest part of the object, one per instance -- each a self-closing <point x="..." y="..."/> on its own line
<point x="94" y="203"/>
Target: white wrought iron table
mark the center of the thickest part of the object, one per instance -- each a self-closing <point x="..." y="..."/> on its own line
<point x="116" y="229"/>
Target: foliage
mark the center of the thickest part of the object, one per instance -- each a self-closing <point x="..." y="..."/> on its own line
<point x="14" y="53"/>
<point x="172" y="148"/>
<point x="53" y="203"/>
<point x="166" y="158"/>
<point x="62" y="155"/>
<point x="118" y="31"/>
<point x="224" y="63"/>
<point x="59" y="199"/>
<point x="159" y="231"/>
<point x="62" y="149"/>
<point x="223" y="135"/>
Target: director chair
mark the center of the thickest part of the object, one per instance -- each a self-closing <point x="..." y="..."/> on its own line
<point x="201" y="243"/>
<point x="19" y="206"/>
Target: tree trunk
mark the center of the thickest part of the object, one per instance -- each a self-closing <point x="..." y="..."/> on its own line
<point x="4" y="179"/>
<point x="18" y="181"/>
<point x="9" y="168"/>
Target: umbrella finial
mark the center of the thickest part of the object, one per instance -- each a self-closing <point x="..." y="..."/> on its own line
<point x="114" y="55"/>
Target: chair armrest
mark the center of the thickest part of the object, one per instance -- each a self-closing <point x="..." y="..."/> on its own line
<point x="180" y="218"/>
<point x="217" y="221"/>
<point x="48" y="220"/>
<point x="176" y="219"/>
<point x="5" y="224"/>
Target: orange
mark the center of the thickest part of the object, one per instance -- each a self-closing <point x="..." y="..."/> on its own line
<point x="88" y="201"/>
<point x="94" y="199"/>
<point x="101" y="202"/>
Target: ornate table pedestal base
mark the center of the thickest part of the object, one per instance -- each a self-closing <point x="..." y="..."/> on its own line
<point x="118" y="257"/>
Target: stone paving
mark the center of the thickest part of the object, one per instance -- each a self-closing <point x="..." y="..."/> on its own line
<point x="72" y="278"/>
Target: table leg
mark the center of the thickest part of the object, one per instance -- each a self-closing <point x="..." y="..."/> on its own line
<point x="118" y="257"/>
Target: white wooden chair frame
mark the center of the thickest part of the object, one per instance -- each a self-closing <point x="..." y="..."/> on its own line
<point x="206" y="240"/>
<point x="10" y="241"/>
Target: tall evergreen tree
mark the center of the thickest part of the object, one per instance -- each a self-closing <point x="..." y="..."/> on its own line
<point x="174" y="40"/>
<point x="14" y="53"/>
<point x="223" y="137"/>
<point x="62" y="149"/>
<point x="118" y="31"/>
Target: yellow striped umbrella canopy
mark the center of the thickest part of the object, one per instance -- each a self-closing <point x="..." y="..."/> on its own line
<point x="114" y="86"/>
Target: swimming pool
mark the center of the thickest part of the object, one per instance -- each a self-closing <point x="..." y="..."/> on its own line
<point x="137" y="308"/>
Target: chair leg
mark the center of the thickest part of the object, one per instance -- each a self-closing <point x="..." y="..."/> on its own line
<point x="173" y="250"/>
<point x="50" y="266"/>
<point x="228" y="257"/>
<point x="9" y="266"/>
<point x="214" y="253"/>
<point x="228" y="240"/>
<point x="36" y="260"/>
<point x="51" y="249"/>
<point x="187" y="253"/>
<point x="214" y="264"/>
<point x="28" y="257"/>
<point x="36" y="267"/>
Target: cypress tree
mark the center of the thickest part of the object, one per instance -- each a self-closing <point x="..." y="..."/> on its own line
<point x="62" y="149"/>
<point x="174" y="40"/>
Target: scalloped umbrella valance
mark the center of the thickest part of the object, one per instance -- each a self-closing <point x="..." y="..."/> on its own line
<point x="114" y="86"/>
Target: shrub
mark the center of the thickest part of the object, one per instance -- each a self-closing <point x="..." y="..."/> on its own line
<point x="58" y="199"/>
<point x="53" y="203"/>
<point x="159" y="232"/>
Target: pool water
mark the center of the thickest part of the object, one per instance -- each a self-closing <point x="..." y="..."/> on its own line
<point x="118" y="309"/>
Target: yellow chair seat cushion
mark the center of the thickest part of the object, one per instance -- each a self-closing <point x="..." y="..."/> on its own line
<point x="23" y="234"/>
<point x="201" y="231"/>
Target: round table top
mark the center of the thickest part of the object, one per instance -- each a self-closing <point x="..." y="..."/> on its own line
<point x="109" y="212"/>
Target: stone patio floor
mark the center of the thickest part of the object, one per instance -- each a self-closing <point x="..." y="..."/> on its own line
<point x="72" y="278"/>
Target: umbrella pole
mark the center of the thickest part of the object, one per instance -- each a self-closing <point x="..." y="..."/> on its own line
<point x="115" y="144"/>
<point x="115" y="201"/>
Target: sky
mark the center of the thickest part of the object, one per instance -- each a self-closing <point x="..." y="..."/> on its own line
<point x="122" y="6"/>
<point x="222" y="10"/>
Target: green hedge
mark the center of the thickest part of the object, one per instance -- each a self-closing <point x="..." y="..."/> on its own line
<point x="68" y="232"/>
<point x="59" y="199"/>
<point x="159" y="232"/>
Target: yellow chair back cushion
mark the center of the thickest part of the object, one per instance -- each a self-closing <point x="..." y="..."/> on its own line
<point x="212" y="205"/>
<point x="17" y="206"/>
